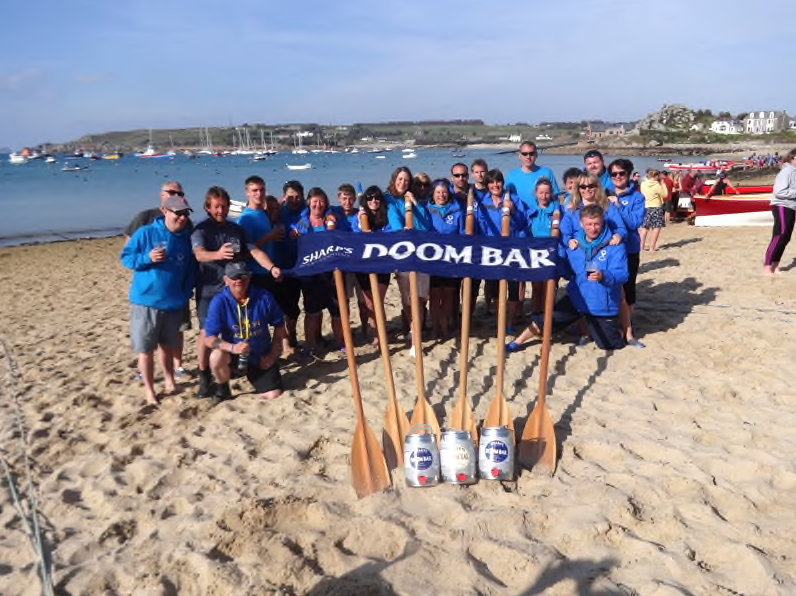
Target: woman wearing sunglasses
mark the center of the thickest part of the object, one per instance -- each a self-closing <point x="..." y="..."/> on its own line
<point x="630" y="202"/>
<point x="589" y="191"/>
<point x="373" y="205"/>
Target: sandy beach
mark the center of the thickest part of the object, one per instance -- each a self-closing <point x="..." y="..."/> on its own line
<point x="676" y="473"/>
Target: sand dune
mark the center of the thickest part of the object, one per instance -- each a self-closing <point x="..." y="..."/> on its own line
<point x="675" y="472"/>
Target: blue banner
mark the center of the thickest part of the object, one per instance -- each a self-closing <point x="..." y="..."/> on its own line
<point x="446" y="255"/>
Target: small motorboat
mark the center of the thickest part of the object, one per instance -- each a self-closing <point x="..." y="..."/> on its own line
<point x="300" y="166"/>
<point x="17" y="159"/>
<point x="73" y="168"/>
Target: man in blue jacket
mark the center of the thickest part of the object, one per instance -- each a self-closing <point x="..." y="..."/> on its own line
<point x="163" y="279"/>
<point x="236" y="330"/>
<point x="598" y="270"/>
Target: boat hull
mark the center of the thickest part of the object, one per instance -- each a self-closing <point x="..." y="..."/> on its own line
<point x="734" y="210"/>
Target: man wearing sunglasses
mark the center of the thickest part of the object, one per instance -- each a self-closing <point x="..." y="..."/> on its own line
<point x="522" y="181"/>
<point x="163" y="279"/>
<point x="170" y="188"/>
<point x="594" y="163"/>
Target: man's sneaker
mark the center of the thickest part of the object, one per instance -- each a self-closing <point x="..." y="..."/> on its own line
<point x="179" y="372"/>
<point x="223" y="393"/>
<point x="512" y="346"/>
<point x="205" y="381"/>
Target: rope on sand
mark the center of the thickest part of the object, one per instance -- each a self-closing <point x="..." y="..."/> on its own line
<point x="31" y="520"/>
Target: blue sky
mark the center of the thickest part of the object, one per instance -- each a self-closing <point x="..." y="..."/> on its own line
<point x="79" y="67"/>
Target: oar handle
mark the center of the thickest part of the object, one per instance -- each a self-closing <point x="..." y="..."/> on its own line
<point x="547" y="330"/>
<point x="467" y="287"/>
<point x="502" y="294"/>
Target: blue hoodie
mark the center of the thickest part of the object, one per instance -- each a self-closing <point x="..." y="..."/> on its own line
<point x="166" y="285"/>
<point x="540" y="219"/>
<point x="488" y="218"/>
<point x="631" y="209"/>
<point x="448" y="218"/>
<point x="598" y="298"/>
<point x="570" y="223"/>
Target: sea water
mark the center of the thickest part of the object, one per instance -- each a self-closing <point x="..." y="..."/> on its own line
<point x="41" y="203"/>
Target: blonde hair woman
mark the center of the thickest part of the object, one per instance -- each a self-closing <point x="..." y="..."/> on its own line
<point x="654" y="219"/>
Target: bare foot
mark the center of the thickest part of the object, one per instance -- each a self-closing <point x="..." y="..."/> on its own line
<point x="269" y="395"/>
<point x="769" y="272"/>
<point x="151" y="398"/>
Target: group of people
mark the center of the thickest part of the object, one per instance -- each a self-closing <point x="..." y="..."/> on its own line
<point x="234" y="269"/>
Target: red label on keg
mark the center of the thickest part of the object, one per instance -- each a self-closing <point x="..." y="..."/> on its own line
<point x="422" y="479"/>
<point x="495" y="472"/>
<point x="461" y="477"/>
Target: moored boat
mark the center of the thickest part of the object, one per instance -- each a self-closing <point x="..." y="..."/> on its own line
<point x="301" y="166"/>
<point x="17" y="159"/>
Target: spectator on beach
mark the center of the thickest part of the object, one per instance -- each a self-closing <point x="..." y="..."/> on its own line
<point x="522" y="181"/>
<point x="163" y="279"/>
<point x="259" y="231"/>
<point x="783" y="206"/>
<point x="668" y="203"/>
<point x="374" y="208"/>
<point x="170" y="188"/>
<point x="237" y="334"/>
<point x="636" y="179"/>
<point x="215" y="242"/>
<point x="318" y="290"/>
<point x="594" y="164"/>
<point x="479" y="169"/>
<point x="447" y="217"/>
<point x="654" y="193"/>
<point x="627" y="198"/>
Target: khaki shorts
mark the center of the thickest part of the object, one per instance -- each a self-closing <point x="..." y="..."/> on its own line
<point x="423" y="283"/>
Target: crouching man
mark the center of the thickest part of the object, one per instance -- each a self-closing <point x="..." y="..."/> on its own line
<point x="236" y="330"/>
<point x="598" y="271"/>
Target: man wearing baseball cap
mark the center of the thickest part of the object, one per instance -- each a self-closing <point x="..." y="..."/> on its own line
<point x="236" y="330"/>
<point x="163" y="267"/>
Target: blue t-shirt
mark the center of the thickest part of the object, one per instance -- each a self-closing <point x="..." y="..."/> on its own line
<point x="343" y="222"/>
<point x="256" y="224"/>
<point x="523" y="184"/>
<point x="236" y="323"/>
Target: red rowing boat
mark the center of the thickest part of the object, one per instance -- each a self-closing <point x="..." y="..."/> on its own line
<point x="750" y="209"/>
<point x="740" y="190"/>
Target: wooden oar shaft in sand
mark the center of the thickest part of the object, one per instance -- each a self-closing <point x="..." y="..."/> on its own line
<point x="423" y="413"/>
<point x="537" y="448"/>
<point x="369" y="472"/>
<point x="396" y="424"/>
<point x="462" y="414"/>
<point x="498" y="413"/>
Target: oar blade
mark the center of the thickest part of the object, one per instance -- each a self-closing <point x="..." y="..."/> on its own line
<point x="396" y="425"/>
<point x="461" y="418"/>
<point x="369" y="472"/>
<point x="498" y="414"/>
<point x="537" y="448"/>
<point x="424" y="414"/>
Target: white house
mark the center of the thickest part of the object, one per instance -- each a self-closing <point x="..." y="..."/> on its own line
<point x="726" y="127"/>
<point x="765" y="122"/>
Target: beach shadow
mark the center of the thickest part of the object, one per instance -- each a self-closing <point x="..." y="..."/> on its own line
<point x="365" y="579"/>
<point x="789" y="267"/>
<point x="657" y="314"/>
<point x="583" y="572"/>
<point x="563" y="427"/>
<point x="659" y="264"/>
<point x="679" y="243"/>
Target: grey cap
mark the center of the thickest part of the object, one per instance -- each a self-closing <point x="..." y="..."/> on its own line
<point x="237" y="269"/>
<point x="176" y="203"/>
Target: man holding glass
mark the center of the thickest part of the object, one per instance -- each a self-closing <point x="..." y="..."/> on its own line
<point x="163" y="279"/>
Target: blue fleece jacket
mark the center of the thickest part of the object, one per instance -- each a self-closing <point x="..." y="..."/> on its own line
<point x="540" y="219"/>
<point x="599" y="298"/>
<point x="488" y="218"/>
<point x="631" y="210"/>
<point x="168" y="284"/>
<point x="570" y="223"/>
<point x="448" y="218"/>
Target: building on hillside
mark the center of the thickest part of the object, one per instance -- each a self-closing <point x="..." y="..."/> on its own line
<point x="727" y="127"/>
<point x="596" y="131"/>
<point x="765" y="122"/>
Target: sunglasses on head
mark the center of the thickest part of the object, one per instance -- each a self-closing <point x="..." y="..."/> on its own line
<point x="171" y="192"/>
<point x="527" y="153"/>
<point x="618" y="173"/>
<point x="585" y="186"/>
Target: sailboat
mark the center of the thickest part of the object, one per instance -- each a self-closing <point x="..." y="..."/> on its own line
<point x="150" y="152"/>
<point x="261" y="155"/>
<point x="206" y="142"/>
<point x="299" y="150"/>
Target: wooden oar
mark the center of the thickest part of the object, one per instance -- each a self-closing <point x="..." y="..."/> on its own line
<point x="462" y="414"/>
<point x="423" y="413"/>
<point x="537" y="447"/>
<point x="369" y="472"/>
<point x="396" y="423"/>
<point x="498" y="413"/>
